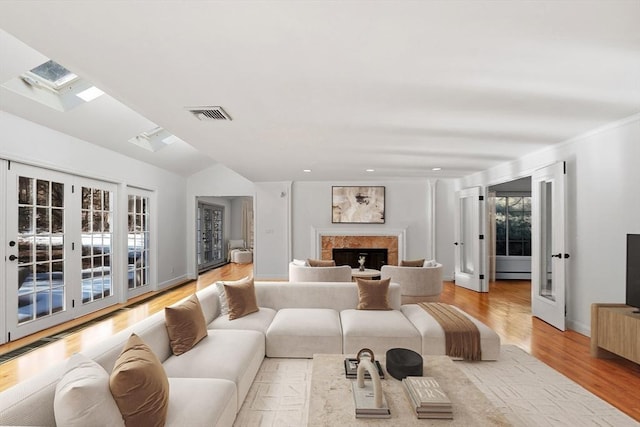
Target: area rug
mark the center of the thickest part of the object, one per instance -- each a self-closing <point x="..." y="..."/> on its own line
<point x="528" y="392"/>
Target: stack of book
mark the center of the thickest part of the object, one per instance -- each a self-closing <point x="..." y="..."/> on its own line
<point x="351" y="369"/>
<point x="364" y="400"/>
<point x="427" y="398"/>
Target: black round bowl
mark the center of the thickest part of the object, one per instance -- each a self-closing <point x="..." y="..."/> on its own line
<point x="402" y="362"/>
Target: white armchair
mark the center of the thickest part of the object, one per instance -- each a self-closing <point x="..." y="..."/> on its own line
<point x="417" y="284"/>
<point x="303" y="273"/>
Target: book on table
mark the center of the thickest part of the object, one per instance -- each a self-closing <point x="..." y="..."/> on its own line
<point x="351" y="369"/>
<point x="364" y="402"/>
<point x="427" y="398"/>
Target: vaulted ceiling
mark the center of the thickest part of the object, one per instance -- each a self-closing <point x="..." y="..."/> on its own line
<point x="400" y="87"/>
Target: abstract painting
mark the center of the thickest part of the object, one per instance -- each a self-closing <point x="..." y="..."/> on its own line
<point x="357" y="205"/>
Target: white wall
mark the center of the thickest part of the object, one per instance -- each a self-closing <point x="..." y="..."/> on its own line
<point x="603" y="202"/>
<point x="407" y="206"/>
<point x="272" y="250"/>
<point x="215" y="181"/>
<point x="27" y="142"/>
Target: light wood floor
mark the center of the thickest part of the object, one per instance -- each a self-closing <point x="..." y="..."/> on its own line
<point x="506" y="309"/>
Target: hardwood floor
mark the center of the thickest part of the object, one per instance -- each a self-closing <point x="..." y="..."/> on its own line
<point x="506" y="309"/>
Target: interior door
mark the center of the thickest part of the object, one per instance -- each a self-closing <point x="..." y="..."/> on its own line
<point x="469" y="236"/>
<point x="548" y="253"/>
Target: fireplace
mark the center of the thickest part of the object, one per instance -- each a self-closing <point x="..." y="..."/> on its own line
<point x="374" y="257"/>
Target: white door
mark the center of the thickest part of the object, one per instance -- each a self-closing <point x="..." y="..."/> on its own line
<point x="548" y="253"/>
<point x="38" y="250"/>
<point x="58" y="248"/>
<point x="469" y="252"/>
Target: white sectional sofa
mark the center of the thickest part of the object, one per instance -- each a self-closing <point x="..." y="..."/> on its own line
<point x="209" y="383"/>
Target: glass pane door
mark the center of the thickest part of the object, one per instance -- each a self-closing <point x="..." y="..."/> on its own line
<point x="38" y="252"/>
<point x="138" y="241"/>
<point x="210" y="244"/>
<point x="97" y="233"/>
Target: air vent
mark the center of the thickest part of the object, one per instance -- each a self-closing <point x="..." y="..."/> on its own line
<point x="209" y="113"/>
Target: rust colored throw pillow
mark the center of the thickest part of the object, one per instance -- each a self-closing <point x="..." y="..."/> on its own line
<point x="321" y="263"/>
<point x="139" y="385"/>
<point x="241" y="298"/>
<point x="413" y="263"/>
<point x="373" y="294"/>
<point x="185" y="324"/>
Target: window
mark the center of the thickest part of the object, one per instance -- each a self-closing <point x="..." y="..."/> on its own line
<point x="513" y="226"/>
<point x="53" y="74"/>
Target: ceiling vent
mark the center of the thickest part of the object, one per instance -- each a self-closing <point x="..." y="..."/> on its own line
<point x="209" y="113"/>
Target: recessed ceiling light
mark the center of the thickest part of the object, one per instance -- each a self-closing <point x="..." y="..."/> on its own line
<point x="370" y="170"/>
<point x="306" y="170"/>
<point x="436" y="169"/>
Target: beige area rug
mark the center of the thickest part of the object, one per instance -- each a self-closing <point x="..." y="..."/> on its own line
<point x="528" y="392"/>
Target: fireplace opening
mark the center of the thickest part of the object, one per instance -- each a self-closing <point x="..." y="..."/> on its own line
<point x="374" y="257"/>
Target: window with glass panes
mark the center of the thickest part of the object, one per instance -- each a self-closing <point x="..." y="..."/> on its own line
<point x="97" y="213"/>
<point x="513" y="225"/>
<point x="138" y="241"/>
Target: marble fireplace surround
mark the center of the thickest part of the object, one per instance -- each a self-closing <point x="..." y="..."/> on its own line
<point x="324" y="240"/>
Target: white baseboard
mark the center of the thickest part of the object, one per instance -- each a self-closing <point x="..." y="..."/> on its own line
<point x="173" y="282"/>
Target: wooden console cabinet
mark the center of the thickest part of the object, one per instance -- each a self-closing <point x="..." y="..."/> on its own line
<point x="615" y="329"/>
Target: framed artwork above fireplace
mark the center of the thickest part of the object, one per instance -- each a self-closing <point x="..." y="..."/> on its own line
<point x="357" y="205"/>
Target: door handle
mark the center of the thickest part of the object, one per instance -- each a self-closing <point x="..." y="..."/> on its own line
<point x="556" y="256"/>
<point x="567" y="255"/>
<point x="12" y="257"/>
<point x="455" y="243"/>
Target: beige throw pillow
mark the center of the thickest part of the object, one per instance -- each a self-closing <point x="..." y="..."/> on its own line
<point x="413" y="263"/>
<point x="83" y="398"/>
<point x="185" y="325"/>
<point x="373" y="294"/>
<point x="321" y="263"/>
<point x="139" y="385"/>
<point x="241" y="298"/>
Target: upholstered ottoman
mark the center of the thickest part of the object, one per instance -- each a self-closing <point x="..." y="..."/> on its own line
<point x="302" y="332"/>
<point x="241" y="256"/>
<point x="378" y="330"/>
<point x="433" y="341"/>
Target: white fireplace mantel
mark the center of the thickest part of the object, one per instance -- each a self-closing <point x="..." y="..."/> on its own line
<point x="317" y="233"/>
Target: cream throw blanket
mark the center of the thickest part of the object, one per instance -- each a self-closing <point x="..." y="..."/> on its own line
<point x="462" y="337"/>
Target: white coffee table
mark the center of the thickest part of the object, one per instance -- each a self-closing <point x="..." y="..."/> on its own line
<point x="368" y="273"/>
<point x="331" y="398"/>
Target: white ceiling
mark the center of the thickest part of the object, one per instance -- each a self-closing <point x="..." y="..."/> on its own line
<point x="338" y="87"/>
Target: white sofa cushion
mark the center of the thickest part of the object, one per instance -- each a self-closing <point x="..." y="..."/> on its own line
<point x="201" y="402"/>
<point x="378" y="331"/>
<point x="301" y="332"/>
<point x="83" y="397"/>
<point x="233" y="355"/>
<point x="433" y="340"/>
<point x="258" y="321"/>
<point x="301" y="273"/>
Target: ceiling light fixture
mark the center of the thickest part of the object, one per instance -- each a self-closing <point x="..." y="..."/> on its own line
<point x="370" y="170"/>
<point x="306" y="170"/>
<point x="436" y="169"/>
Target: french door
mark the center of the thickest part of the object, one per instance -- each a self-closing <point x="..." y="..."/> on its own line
<point x="548" y="252"/>
<point x="59" y="230"/>
<point x="469" y="252"/>
<point x="210" y="223"/>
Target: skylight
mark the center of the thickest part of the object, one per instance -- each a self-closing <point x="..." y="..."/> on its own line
<point x="154" y="139"/>
<point x="54" y="73"/>
<point x="55" y="86"/>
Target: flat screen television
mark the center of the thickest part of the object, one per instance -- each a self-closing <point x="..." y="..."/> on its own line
<point x="633" y="270"/>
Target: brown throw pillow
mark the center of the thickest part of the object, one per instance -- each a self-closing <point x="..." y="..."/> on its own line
<point x="373" y="294"/>
<point x="185" y="324"/>
<point x="412" y="263"/>
<point x="139" y="385"/>
<point x="321" y="263"/>
<point x="241" y="298"/>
